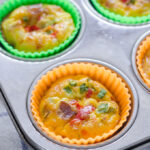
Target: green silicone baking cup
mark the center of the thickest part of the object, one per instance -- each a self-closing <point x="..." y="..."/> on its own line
<point x="118" y="18"/>
<point x="10" y="5"/>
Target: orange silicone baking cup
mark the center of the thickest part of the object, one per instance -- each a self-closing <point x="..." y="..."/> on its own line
<point x="142" y="49"/>
<point x="111" y="80"/>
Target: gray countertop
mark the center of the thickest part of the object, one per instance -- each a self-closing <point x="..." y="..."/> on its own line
<point x="10" y="140"/>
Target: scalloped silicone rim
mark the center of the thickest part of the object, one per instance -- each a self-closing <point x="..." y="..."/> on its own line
<point x="74" y="67"/>
<point x="118" y="18"/>
<point x="142" y="49"/>
<point x="10" y="5"/>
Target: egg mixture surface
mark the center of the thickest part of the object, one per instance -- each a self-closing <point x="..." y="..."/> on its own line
<point x="146" y="64"/>
<point x="36" y="28"/>
<point x="79" y="107"/>
<point x="132" y="8"/>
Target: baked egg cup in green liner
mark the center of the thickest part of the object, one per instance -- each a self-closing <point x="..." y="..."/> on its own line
<point x="10" y="5"/>
<point x="118" y="18"/>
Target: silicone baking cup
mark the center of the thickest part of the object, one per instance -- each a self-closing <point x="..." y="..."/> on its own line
<point x="10" y="5"/>
<point x="118" y="18"/>
<point x="141" y="51"/>
<point x="113" y="82"/>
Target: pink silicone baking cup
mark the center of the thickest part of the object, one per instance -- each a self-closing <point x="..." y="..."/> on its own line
<point x="111" y="80"/>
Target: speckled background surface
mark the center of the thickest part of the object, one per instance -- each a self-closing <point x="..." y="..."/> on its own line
<point x="9" y="138"/>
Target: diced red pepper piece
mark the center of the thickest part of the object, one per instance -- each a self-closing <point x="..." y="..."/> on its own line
<point x="54" y="34"/>
<point x="82" y="115"/>
<point x="84" y="112"/>
<point x="78" y="106"/>
<point x="89" y="93"/>
<point x="31" y="28"/>
<point x="124" y="1"/>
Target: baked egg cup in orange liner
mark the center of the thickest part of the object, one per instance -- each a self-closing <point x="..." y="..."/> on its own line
<point x="111" y="80"/>
<point x="141" y="51"/>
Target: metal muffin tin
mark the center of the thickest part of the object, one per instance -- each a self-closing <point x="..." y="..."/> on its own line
<point x="100" y="41"/>
<point x="134" y="52"/>
<point x="125" y="128"/>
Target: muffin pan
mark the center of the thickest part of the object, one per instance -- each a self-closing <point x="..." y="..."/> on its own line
<point x="89" y="68"/>
<point x="134" y="65"/>
<point x="101" y="42"/>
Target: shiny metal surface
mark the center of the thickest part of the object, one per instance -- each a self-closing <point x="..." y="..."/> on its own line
<point x="134" y="60"/>
<point x="89" y="6"/>
<point x="133" y="113"/>
<point x="101" y="41"/>
<point x="63" y="52"/>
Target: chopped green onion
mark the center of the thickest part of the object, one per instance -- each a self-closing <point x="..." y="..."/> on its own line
<point x="83" y="88"/>
<point x="46" y="114"/>
<point x="51" y="22"/>
<point x="49" y="31"/>
<point x="132" y="1"/>
<point x="102" y="93"/>
<point x="72" y="83"/>
<point x="68" y="89"/>
<point x="102" y="108"/>
<point x="112" y="110"/>
<point x="25" y="19"/>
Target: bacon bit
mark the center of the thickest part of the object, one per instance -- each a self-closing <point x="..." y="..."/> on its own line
<point x="31" y="28"/>
<point x="66" y="110"/>
<point x="89" y="93"/>
<point x="75" y="122"/>
<point x="84" y="112"/>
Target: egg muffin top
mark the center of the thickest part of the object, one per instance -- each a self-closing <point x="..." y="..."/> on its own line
<point x="79" y="107"/>
<point x="130" y="8"/>
<point x="39" y="27"/>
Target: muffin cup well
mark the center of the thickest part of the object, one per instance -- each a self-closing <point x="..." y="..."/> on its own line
<point x="118" y="18"/>
<point x="10" y="5"/>
<point x="105" y="76"/>
<point x="141" y="51"/>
